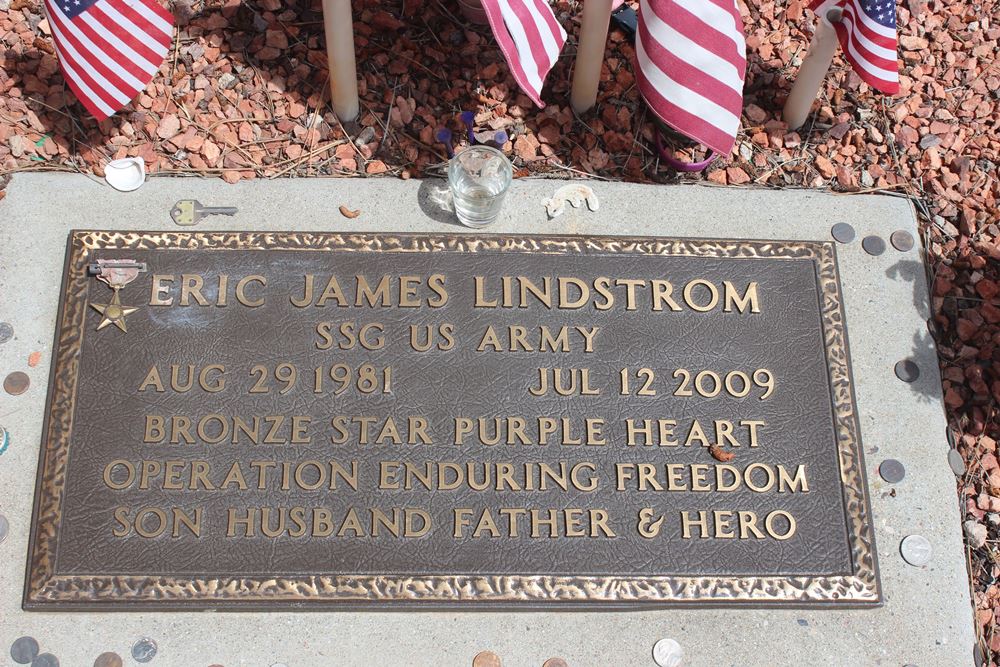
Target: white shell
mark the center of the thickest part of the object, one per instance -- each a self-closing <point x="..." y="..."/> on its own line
<point x="126" y="174"/>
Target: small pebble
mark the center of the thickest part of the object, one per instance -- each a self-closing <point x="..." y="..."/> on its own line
<point x="975" y="532"/>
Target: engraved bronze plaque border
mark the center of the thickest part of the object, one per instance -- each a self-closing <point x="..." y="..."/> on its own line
<point x="46" y="590"/>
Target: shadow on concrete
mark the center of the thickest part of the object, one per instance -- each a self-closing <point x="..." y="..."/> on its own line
<point x="924" y="350"/>
<point x="434" y="198"/>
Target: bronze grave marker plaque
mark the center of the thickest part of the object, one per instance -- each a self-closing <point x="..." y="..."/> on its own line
<point x="259" y="420"/>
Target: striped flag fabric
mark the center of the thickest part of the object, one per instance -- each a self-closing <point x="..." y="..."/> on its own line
<point x="109" y="50"/>
<point x="529" y="37"/>
<point x="691" y="64"/>
<point x="867" y="33"/>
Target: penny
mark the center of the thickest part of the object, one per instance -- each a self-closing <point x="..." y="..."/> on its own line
<point x="108" y="659"/>
<point x="4" y="529"/>
<point x="555" y="662"/>
<point x="668" y="653"/>
<point x="907" y="371"/>
<point x="16" y="383"/>
<point x="892" y="471"/>
<point x="6" y="332"/>
<point x="486" y="659"/>
<point x="144" y="650"/>
<point x="873" y="245"/>
<point x="24" y="649"/>
<point x="842" y="232"/>
<point x="901" y="240"/>
<point x="45" y="660"/>
<point x="916" y="550"/>
<point x="956" y="462"/>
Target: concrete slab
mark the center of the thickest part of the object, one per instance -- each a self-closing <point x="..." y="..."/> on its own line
<point x="926" y="619"/>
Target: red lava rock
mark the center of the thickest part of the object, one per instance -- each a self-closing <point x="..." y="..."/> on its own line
<point x="526" y="147"/>
<point x="376" y="167"/>
<point x="755" y="114"/>
<point x="825" y="167"/>
<point x="168" y="127"/>
<point x="737" y="176"/>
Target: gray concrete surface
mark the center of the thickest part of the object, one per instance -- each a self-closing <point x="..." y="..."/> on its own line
<point x="926" y="619"/>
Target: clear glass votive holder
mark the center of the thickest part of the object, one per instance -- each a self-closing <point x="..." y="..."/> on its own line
<point x="479" y="177"/>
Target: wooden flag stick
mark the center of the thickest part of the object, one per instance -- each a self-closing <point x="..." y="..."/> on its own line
<point x="340" y="55"/>
<point x="590" y="54"/>
<point x="813" y="70"/>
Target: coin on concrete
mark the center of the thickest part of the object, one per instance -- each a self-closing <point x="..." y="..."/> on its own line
<point x="6" y="332"/>
<point x="144" y="650"/>
<point x="555" y="662"/>
<point x="901" y="240"/>
<point x="892" y="471"/>
<point x="668" y="653"/>
<point x="4" y="529"/>
<point x="916" y="550"/>
<point x="108" y="659"/>
<point x="486" y="659"/>
<point x="907" y="371"/>
<point x="24" y="649"/>
<point x="842" y="232"/>
<point x="873" y="245"/>
<point x="16" y="383"/>
<point x="45" y="660"/>
<point x="956" y="462"/>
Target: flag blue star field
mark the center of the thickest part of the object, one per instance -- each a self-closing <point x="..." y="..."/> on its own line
<point x="867" y="32"/>
<point x="109" y="50"/>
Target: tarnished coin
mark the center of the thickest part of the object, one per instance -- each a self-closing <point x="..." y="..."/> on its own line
<point x="6" y="332"/>
<point x="916" y="550"/>
<point x="144" y="650"/>
<point x="486" y="659"/>
<point x="873" y="245"/>
<point x="45" y="660"/>
<point x="24" y="649"/>
<point x="668" y="653"/>
<point x="108" y="659"/>
<point x="892" y="471"/>
<point x="842" y="232"/>
<point x="901" y="240"/>
<point x="956" y="462"/>
<point x="907" y="371"/>
<point x="4" y="529"/>
<point x="555" y="662"/>
<point x="16" y="383"/>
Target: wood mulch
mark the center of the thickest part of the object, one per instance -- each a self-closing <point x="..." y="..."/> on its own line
<point x="243" y="95"/>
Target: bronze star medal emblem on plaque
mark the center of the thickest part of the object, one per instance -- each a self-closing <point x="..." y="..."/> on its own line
<point x="116" y="274"/>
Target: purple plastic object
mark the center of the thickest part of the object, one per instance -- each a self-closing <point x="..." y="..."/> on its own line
<point x="500" y="139"/>
<point x="443" y="135"/>
<point x="680" y="165"/>
<point x="468" y="117"/>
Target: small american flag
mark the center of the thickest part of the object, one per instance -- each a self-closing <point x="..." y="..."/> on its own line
<point x="867" y="33"/>
<point x="109" y="50"/>
<point x="530" y="39"/>
<point x="692" y="60"/>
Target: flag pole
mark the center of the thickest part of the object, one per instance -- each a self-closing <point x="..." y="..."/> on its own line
<point x="339" y="29"/>
<point x="813" y="70"/>
<point x="590" y="54"/>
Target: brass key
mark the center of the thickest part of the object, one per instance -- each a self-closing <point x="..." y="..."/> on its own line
<point x="188" y="212"/>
